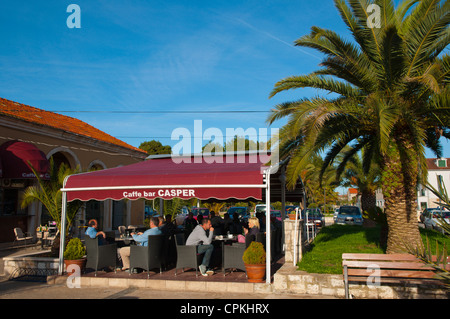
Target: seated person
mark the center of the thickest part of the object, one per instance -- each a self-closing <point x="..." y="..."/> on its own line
<point x="203" y="242"/>
<point x="140" y="239"/>
<point x="228" y="223"/>
<point x="92" y="232"/>
<point x="167" y="227"/>
<point x="236" y="226"/>
<point x="189" y="224"/>
<point x="251" y="231"/>
<point x="216" y="223"/>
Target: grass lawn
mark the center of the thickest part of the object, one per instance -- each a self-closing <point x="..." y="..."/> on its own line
<point x="325" y="254"/>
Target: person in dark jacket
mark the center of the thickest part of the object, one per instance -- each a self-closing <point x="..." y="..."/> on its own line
<point x="251" y="231"/>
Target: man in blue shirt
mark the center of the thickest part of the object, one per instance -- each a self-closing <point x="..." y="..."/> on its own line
<point x="92" y="232"/>
<point x="141" y="239"/>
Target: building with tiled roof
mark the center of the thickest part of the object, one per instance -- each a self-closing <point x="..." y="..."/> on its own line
<point x="31" y="134"/>
<point x="66" y="124"/>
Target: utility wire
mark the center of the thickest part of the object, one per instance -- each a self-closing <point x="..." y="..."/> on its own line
<point x="147" y="112"/>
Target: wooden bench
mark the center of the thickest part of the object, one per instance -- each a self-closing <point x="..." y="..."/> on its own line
<point x="387" y="268"/>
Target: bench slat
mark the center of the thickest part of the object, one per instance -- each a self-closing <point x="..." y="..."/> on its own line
<point x="392" y="273"/>
<point x="394" y="280"/>
<point x="392" y="257"/>
<point x="387" y="265"/>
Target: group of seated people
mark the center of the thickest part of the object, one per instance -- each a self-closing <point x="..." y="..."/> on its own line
<point x="158" y="226"/>
<point x="201" y="236"/>
<point x="221" y="226"/>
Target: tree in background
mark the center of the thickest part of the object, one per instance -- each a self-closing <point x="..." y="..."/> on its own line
<point x="155" y="148"/>
<point x="48" y="192"/>
<point x="238" y="143"/>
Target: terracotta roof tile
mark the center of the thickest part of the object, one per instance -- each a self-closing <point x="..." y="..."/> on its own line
<point x="431" y="163"/>
<point x="58" y="121"/>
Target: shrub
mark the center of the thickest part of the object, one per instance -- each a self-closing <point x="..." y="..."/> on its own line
<point x="74" y="250"/>
<point x="254" y="254"/>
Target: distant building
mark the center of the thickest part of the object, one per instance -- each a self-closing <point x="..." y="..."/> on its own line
<point x="438" y="169"/>
<point x="379" y="198"/>
<point x="352" y="195"/>
<point x="31" y="134"/>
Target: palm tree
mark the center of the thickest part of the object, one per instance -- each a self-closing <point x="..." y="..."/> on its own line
<point x="318" y="183"/>
<point x="48" y="192"/>
<point x="367" y="182"/>
<point x="390" y="98"/>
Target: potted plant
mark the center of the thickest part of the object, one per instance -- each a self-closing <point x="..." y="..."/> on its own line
<point x="254" y="258"/>
<point x="75" y="253"/>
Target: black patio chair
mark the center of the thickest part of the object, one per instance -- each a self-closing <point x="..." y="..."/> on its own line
<point x="232" y="257"/>
<point x="169" y="251"/>
<point x="148" y="257"/>
<point x="100" y="256"/>
<point x="187" y="256"/>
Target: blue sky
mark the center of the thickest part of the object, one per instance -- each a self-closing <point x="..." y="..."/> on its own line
<point x="147" y="56"/>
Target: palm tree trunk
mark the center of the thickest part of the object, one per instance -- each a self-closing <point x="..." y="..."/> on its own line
<point x="368" y="200"/>
<point x="399" y="190"/>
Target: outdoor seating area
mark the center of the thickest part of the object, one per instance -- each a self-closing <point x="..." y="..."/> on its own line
<point x="168" y="257"/>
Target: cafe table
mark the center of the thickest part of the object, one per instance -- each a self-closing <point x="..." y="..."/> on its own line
<point x="126" y="240"/>
<point x="222" y="239"/>
<point x="42" y="235"/>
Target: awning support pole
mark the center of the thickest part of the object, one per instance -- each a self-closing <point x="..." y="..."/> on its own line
<point x="62" y="233"/>
<point x="268" y="246"/>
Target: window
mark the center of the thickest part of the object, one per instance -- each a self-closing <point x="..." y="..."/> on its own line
<point x="442" y="163"/>
<point x="119" y="214"/>
<point x="94" y="210"/>
<point x="10" y="200"/>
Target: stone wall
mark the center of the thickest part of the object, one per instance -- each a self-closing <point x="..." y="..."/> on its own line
<point x="30" y="264"/>
<point x="292" y="281"/>
<point x="291" y="238"/>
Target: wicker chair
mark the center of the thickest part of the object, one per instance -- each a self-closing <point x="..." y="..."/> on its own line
<point x="100" y="256"/>
<point x="169" y="251"/>
<point x="232" y="257"/>
<point x="187" y="256"/>
<point x="148" y="257"/>
<point x="121" y="230"/>
<point x="21" y="237"/>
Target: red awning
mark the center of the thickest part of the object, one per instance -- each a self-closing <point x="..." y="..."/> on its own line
<point x="239" y="177"/>
<point x="16" y="155"/>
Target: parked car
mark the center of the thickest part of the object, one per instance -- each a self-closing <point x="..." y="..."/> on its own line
<point x="336" y="212"/>
<point x="432" y="218"/>
<point x="349" y="215"/>
<point x="241" y="211"/>
<point x="200" y="211"/>
<point x="314" y="216"/>
<point x="426" y="212"/>
<point x="262" y="208"/>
